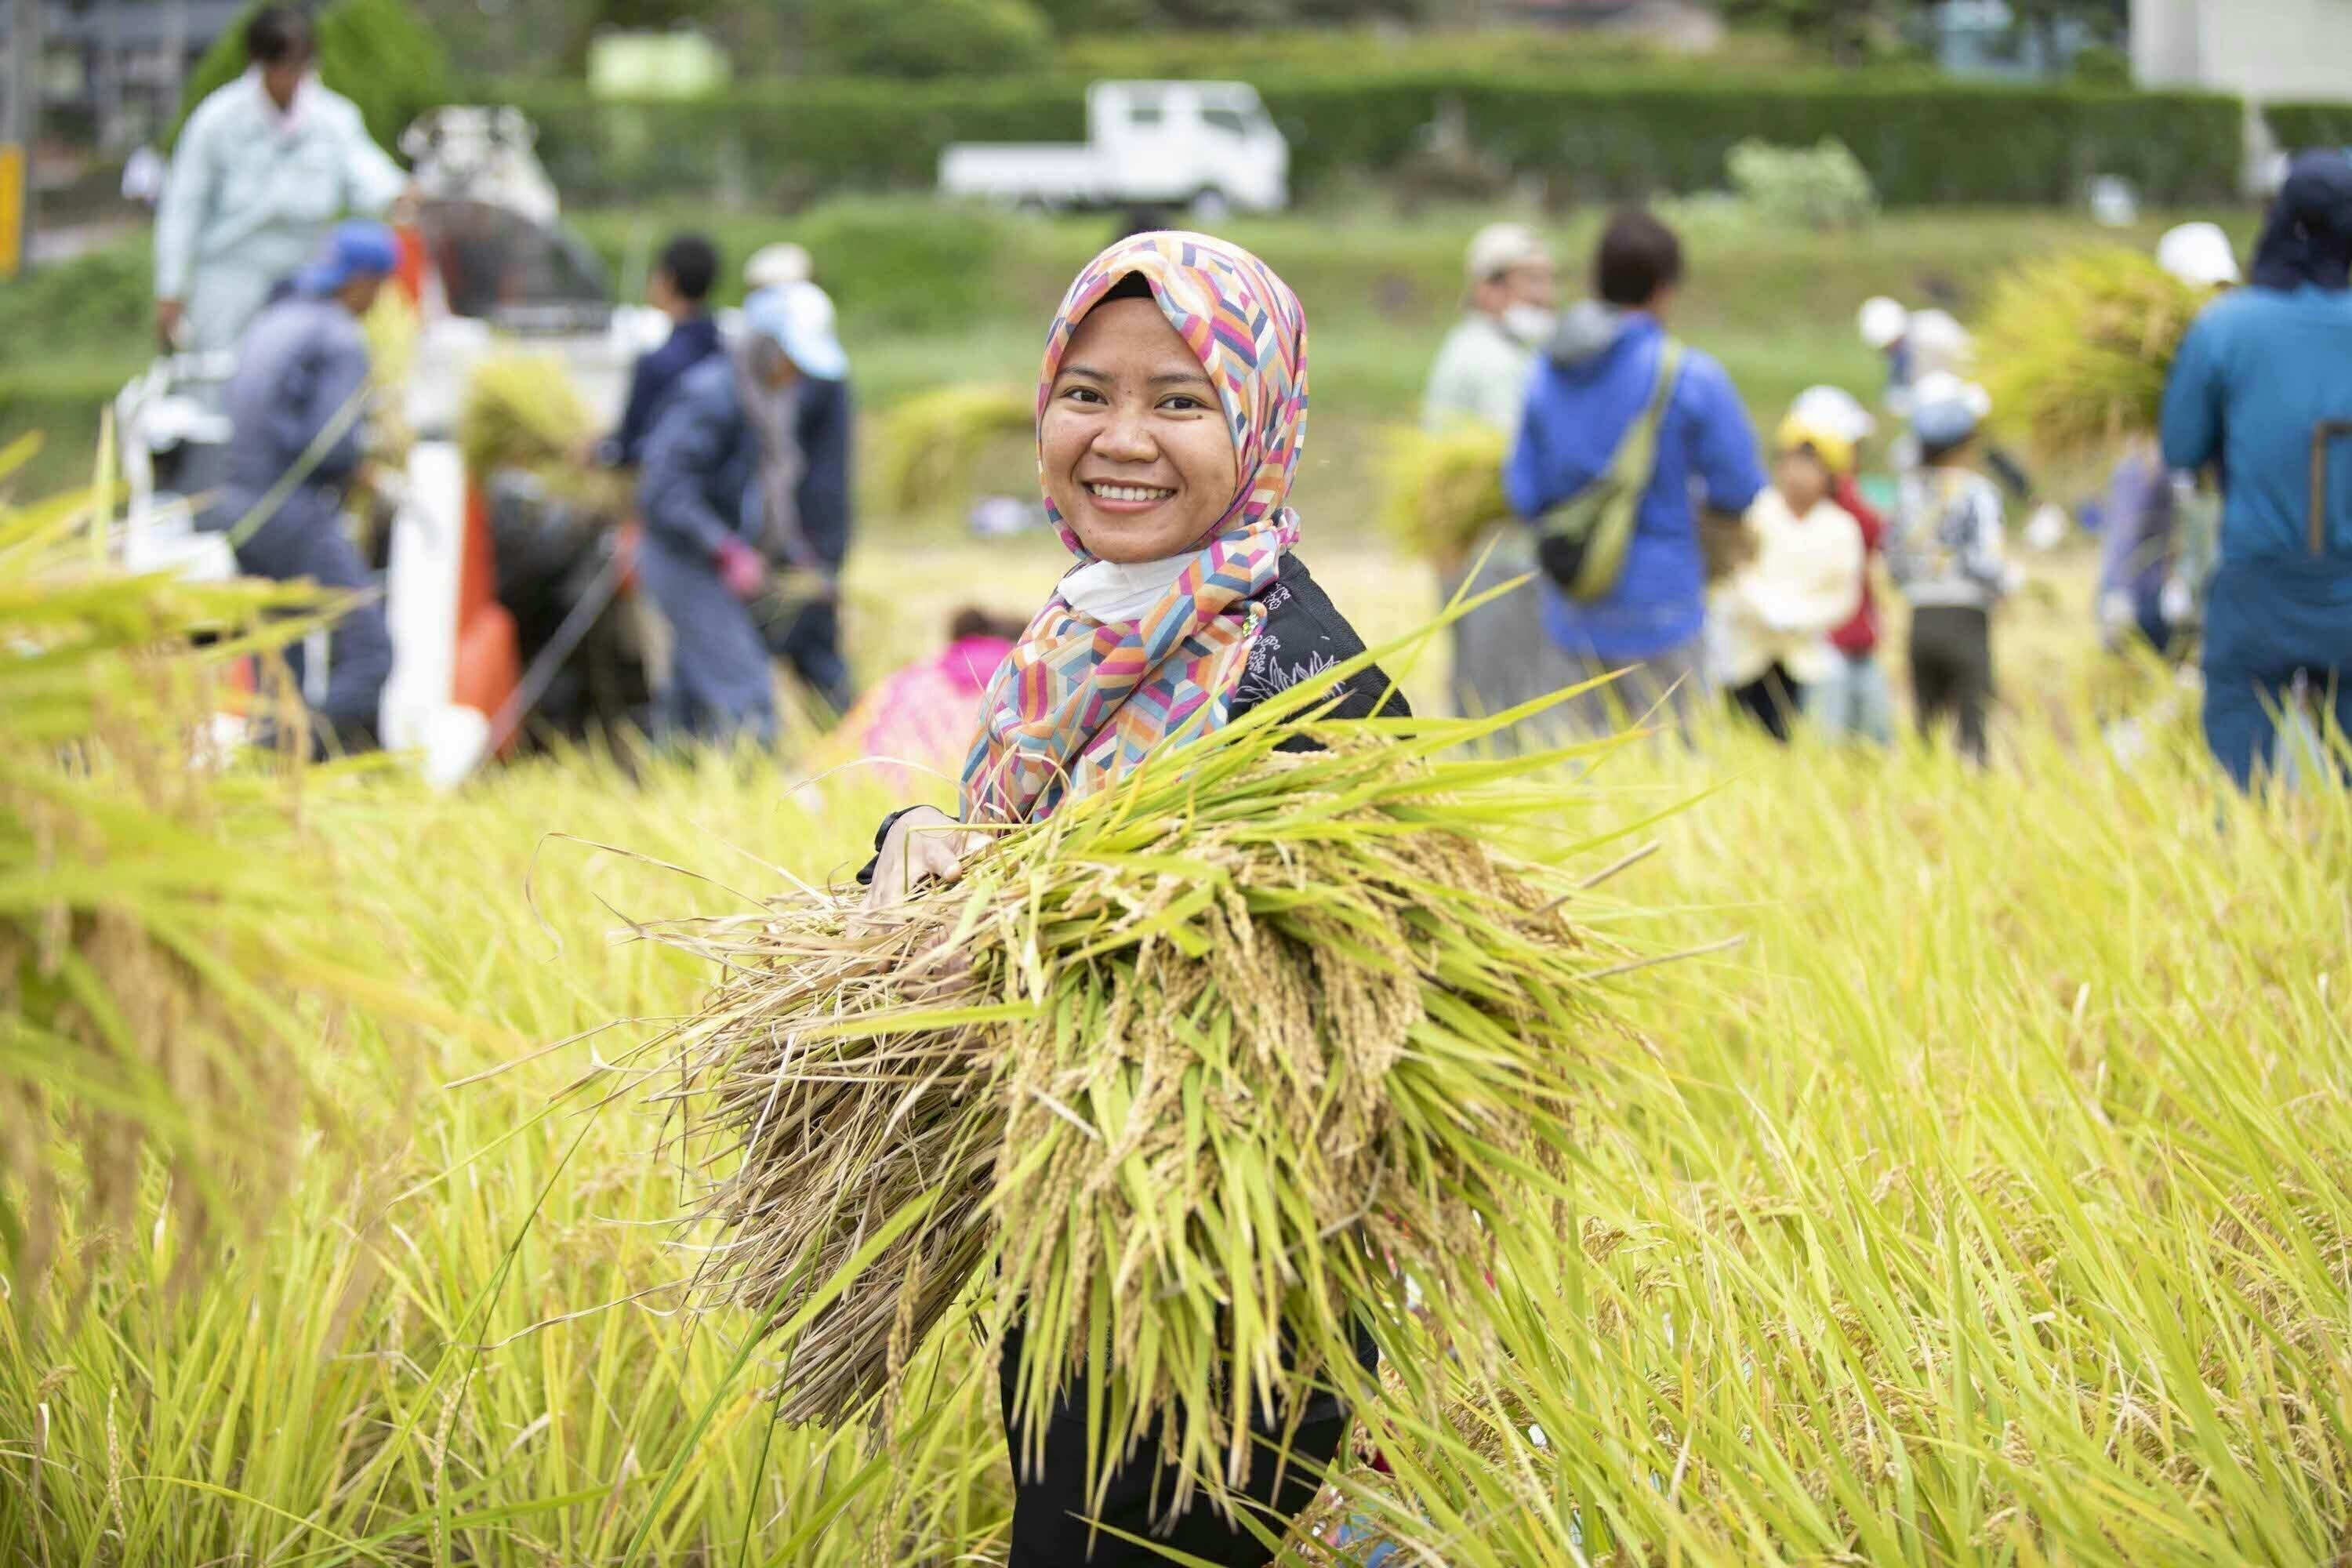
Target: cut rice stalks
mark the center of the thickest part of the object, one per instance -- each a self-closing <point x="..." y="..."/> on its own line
<point x="1440" y="493"/>
<point x="2076" y="349"/>
<point x="1184" y="1083"/>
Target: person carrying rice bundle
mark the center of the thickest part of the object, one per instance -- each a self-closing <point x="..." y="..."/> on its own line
<point x="2263" y="387"/>
<point x="1502" y="656"/>
<point x="1170" y="412"/>
<point x="2155" y="549"/>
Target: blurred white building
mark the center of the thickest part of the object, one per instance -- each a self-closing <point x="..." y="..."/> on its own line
<point x="2264" y="51"/>
<point x="2260" y="49"/>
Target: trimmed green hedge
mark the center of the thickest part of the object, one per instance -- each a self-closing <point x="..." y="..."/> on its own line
<point x="1924" y="140"/>
<point x="2294" y="126"/>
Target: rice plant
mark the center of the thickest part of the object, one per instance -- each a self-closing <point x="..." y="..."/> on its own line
<point x="2074" y="348"/>
<point x="1988" y="1206"/>
<point x="929" y="444"/>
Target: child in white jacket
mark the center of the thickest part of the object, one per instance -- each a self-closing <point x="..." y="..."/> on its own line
<point x="1770" y="621"/>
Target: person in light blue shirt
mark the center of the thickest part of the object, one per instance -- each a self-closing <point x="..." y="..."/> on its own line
<point x="2263" y="388"/>
<point x="1595" y="379"/>
<point x="263" y="169"/>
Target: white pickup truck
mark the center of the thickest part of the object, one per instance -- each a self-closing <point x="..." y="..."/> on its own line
<point x="1207" y="146"/>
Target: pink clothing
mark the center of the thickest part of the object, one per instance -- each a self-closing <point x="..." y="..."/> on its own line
<point x="926" y="714"/>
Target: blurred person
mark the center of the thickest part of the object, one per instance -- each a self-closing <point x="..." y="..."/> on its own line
<point x="1850" y="699"/>
<point x="1947" y="556"/>
<point x="264" y="167"/>
<point x="1597" y="376"/>
<point x="804" y="426"/>
<point x="2156" y="548"/>
<point x="679" y="289"/>
<point x="1501" y="656"/>
<point x="1919" y="345"/>
<point x="296" y="403"/>
<point x="1511" y="306"/>
<point x="700" y="490"/>
<point x="2263" y="388"/>
<point x="1769" y="623"/>
<point x="920" y="717"/>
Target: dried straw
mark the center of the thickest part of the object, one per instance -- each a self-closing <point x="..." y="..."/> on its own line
<point x="1183" y="1081"/>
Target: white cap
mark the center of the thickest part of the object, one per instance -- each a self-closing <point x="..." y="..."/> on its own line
<point x="1884" y="321"/>
<point x="798" y="317"/>
<point x="2200" y="255"/>
<point x="1501" y="247"/>
<point x="1938" y="343"/>
<point x="773" y="266"/>
<point x="1834" y="409"/>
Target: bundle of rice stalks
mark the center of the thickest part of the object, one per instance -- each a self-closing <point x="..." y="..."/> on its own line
<point x="1182" y="1083"/>
<point x="929" y="443"/>
<point x="2075" y="350"/>
<point x="521" y="411"/>
<point x="151" y="940"/>
<point x="393" y="328"/>
<point x="1440" y="493"/>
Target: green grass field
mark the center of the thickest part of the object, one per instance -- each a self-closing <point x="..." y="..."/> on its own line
<point x="1990" y="1203"/>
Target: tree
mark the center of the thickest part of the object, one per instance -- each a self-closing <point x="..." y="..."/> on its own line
<point x="374" y="52"/>
<point x="928" y="37"/>
<point x="1845" y="30"/>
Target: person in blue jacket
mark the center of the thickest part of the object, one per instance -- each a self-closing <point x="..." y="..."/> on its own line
<point x="1592" y="381"/>
<point x="2263" y="388"/>
<point x="296" y="406"/>
<point x="680" y="290"/>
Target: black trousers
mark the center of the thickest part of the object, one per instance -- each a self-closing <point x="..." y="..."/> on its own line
<point x="1773" y="700"/>
<point x="1951" y="671"/>
<point x="1051" y="1523"/>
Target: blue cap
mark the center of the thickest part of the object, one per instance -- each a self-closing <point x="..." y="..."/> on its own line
<point x="1945" y="411"/>
<point x="357" y="248"/>
<point x="798" y="319"/>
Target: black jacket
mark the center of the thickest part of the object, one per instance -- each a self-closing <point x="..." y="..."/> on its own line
<point x="1304" y="635"/>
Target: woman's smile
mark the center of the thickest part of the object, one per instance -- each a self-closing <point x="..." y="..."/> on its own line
<point x="1126" y="499"/>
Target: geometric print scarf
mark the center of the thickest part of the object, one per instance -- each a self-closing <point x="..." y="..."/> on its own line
<point x="1078" y="701"/>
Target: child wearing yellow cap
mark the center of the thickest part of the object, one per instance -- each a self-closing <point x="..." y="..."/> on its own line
<point x="1769" y="623"/>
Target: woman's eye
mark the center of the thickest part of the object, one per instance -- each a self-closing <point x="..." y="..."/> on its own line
<point x="1082" y="394"/>
<point x="1184" y="403"/>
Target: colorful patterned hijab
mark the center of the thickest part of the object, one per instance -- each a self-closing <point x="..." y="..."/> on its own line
<point x="1081" y="701"/>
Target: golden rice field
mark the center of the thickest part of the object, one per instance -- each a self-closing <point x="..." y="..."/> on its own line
<point x="1990" y="1203"/>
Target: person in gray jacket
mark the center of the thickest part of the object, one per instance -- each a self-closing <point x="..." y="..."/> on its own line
<point x="720" y="493"/>
<point x="296" y="406"/>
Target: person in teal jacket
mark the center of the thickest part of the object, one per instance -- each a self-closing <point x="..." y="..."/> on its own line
<point x="2263" y="388"/>
<point x="263" y="169"/>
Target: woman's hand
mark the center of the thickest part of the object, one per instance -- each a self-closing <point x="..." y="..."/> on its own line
<point x="921" y="846"/>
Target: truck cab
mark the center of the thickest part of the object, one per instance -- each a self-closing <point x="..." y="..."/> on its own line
<point x="1207" y="146"/>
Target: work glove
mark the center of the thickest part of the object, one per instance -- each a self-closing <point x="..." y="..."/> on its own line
<point x="742" y="570"/>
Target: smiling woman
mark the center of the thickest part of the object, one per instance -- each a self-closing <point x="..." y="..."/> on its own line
<point x="1170" y="411"/>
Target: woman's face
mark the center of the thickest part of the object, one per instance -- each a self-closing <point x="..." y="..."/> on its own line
<point x="1136" y="457"/>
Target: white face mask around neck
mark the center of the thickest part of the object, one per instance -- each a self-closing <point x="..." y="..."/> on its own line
<point x="1110" y="591"/>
